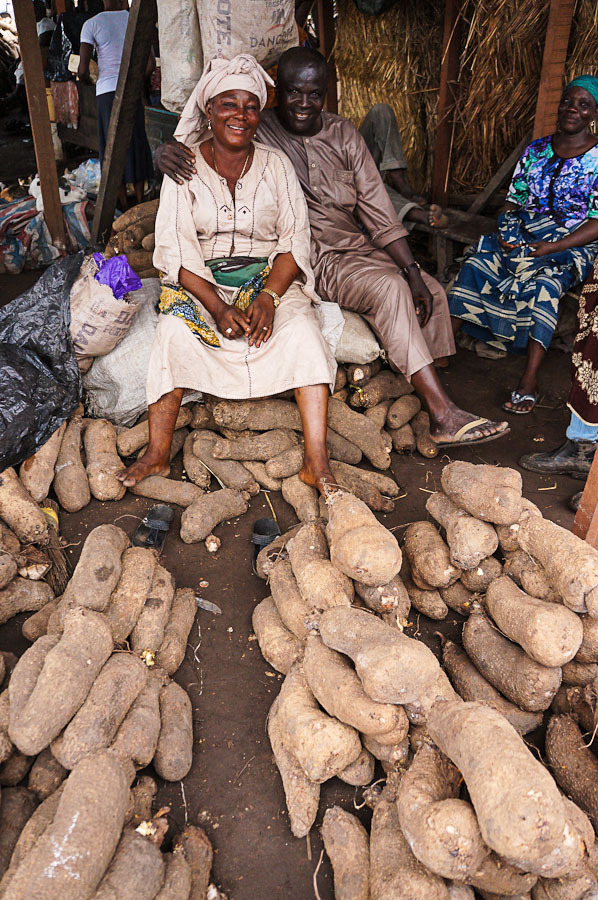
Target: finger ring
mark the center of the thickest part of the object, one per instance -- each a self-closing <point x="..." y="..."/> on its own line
<point x="265" y="328"/>
<point x="228" y="331"/>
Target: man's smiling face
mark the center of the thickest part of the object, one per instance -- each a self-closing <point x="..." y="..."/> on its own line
<point x="300" y="91"/>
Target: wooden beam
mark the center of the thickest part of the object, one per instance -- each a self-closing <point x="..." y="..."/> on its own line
<point x="327" y="35"/>
<point x="497" y="181"/>
<point x="586" y="518"/>
<point x="447" y="97"/>
<point x="556" y="42"/>
<point x="40" y="119"/>
<point x="143" y="16"/>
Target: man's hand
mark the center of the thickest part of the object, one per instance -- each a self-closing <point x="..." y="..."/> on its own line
<point x="231" y="322"/>
<point x="175" y="160"/>
<point x="422" y="298"/>
<point x="260" y="315"/>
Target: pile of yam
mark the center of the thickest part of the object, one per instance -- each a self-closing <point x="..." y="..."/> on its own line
<point x="134" y="236"/>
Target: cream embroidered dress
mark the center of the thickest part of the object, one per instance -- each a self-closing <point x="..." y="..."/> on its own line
<point x="198" y="221"/>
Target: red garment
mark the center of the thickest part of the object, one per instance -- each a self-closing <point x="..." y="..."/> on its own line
<point x="66" y="103"/>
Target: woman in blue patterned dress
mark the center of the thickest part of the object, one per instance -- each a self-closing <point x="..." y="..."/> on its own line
<point x="507" y="292"/>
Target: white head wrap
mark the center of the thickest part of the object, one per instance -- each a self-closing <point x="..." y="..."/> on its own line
<point x="242" y="73"/>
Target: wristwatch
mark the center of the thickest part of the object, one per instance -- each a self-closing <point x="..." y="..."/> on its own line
<point x="273" y="294"/>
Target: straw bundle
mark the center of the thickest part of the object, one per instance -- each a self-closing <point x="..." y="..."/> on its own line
<point x="583" y="46"/>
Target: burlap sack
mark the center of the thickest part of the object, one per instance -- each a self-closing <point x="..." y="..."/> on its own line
<point x="181" y="59"/>
<point x="264" y="28"/>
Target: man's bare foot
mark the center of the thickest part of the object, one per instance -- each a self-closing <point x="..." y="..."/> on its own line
<point x="320" y="478"/>
<point x="459" y="428"/>
<point x="437" y="218"/>
<point x="144" y="467"/>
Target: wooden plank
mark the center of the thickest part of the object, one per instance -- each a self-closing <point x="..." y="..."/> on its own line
<point x="327" y="34"/>
<point x="143" y="16"/>
<point x="449" y="79"/>
<point x="40" y="119"/>
<point x="586" y="518"/>
<point x="501" y="176"/>
<point x="554" y="58"/>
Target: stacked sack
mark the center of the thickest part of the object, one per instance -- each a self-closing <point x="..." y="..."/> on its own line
<point x="356" y="687"/>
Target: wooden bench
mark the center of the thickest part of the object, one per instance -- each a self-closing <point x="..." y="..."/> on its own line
<point x="464" y="228"/>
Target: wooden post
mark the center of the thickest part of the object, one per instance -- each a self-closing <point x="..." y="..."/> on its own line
<point x="586" y="518"/>
<point x="143" y="16"/>
<point x="556" y="42"/>
<point x="326" y="34"/>
<point x="447" y="97"/>
<point x="40" y="119"/>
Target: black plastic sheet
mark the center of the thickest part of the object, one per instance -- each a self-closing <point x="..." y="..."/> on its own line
<point x="40" y="385"/>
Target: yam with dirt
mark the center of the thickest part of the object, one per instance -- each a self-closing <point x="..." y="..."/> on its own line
<point x="337" y="688"/>
<point x="37" y="624"/>
<point x="403" y="410"/>
<point x="573" y="764"/>
<point x="177" y="878"/>
<point x="44" y="699"/>
<point x="508" y="534"/>
<point x="130" y="440"/>
<point x="167" y="490"/>
<point x="577" y="701"/>
<point x="458" y="598"/>
<point x="477" y="580"/>
<point x="440" y="689"/>
<point x="429" y="603"/>
<point x="274" y="551"/>
<point x="195" y="469"/>
<point x="420" y="425"/>
<point x="20" y="511"/>
<point x="103" y="462"/>
<point x="292" y="608"/>
<point x="137" y="738"/>
<point x="471" y="685"/>
<point x="136" y="214"/>
<point x="490" y="493"/>
<point x="302" y="497"/>
<point x="128" y="597"/>
<point x="360" y="431"/>
<point x="392" y="756"/>
<point x="33" y="829"/>
<point x="174" y="752"/>
<point x="580" y="887"/>
<point x="361" y="373"/>
<point x="257" y="415"/>
<point x="71" y="484"/>
<point x="99" y="568"/>
<point x="578" y="673"/>
<point x="341" y="449"/>
<point x="229" y="472"/>
<point x="196" y="849"/>
<point x="403" y="439"/>
<point x="496" y="878"/>
<point x="209" y="510"/>
<point x="8" y="569"/>
<point x="549" y="633"/>
<point x="360" y="546"/>
<point x="347" y="844"/>
<point x="14" y="769"/>
<point x="384" y="598"/>
<point x="23" y="595"/>
<point x="526" y="572"/>
<point x="392" y="667"/>
<point x="285" y="464"/>
<point x="95" y="724"/>
<point x="383" y="386"/>
<point x="320" y="583"/>
<point x="37" y="472"/>
<point x="260" y="474"/>
<point x="441" y="830"/>
<point x="136" y="869"/>
<point x="470" y="540"/>
<point x="323" y="745"/>
<point x="178" y="628"/>
<point x="46" y="775"/>
<point x="517" y="803"/>
<point x="279" y="646"/>
<point x="148" y="633"/>
<point x="588" y="651"/>
<point x="352" y="480"/>
<point x="361" y="772"/>
<point x="570" y="563"/>
<point x="17" y="807"/>
<point x="260" y="446"/>
<point x="89" y="816"/>
<point x="301" y="793"/>
<point x="525" y="682"/>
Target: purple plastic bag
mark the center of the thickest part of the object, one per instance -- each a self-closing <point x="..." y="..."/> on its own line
<point x="117" y="274"/>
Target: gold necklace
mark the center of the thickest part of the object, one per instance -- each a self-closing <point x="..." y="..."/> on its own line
<point x="244" y="169"/>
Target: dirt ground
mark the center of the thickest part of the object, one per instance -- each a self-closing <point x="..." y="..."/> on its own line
<point x="233" y="789"/>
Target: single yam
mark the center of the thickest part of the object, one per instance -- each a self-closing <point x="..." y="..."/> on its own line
<point x="14" y="769"/>
<point x="149" y="630"/>
<point x="386" y="485"/>
<point x="137" y="738"/>
<point x="386" y="597"/>
<point x="71" y="484"/>
<point x="177" y="878"/>
<point x="136" y="869"/>
<point x="274" y="551"/>
<point x="292" y="608"/>
<point x="23" y="595"/>
<point x="228" y="472"/>
<point x="37" y="624"/>
<point x="403" y="439"/>
<point x="573" y="764"/>
<point x="403" y="410"/>
<point x="360" y="373"/>
<point x="352" y="480"/>
<point x="98" y="570"/>
<point x="257" y="415"/>
<point x="279" y="646"/>
<point x="485" y="492"/>
<point x="323" y="745"/>
<point x="149" y="242"/>
<point x="360" y="546"/>
<point x="200" y="519"/>
<point x="442" y="831"/>
<point x="458" y="598"/>
<point x="508" y="534"/>
<point x="202" y="417"/>
<point x="361" y="772"/>
<point x="128" y="597"/>
<point x="37" y="472"/>
<point x="588" y="651"/>
<point x="46" y="775"/>
<point x="130" y="440"/>
<point x="341" y="449"/>
<point x="384" y="386"/>
<point x="8" y="569"/>
<point x="34" y="828"/>
<point x="321" y="584"/>
<point x="135" y="215"/>
<point x="347" y="844"/>
<point x="392" y="756"/>
<point x="302" y="497"/>
<point x="420" y="424"/>
<point x="527" y="683"/>
<point x="551" y="634"/>
<point x="337" y="688"/>
<point x="96" y="723"/>
<point x="259" y="446"/>
<point x="470" y="540"/>
<point x="393" y="668"/>
<point x="195" y="469"/>
<point x="20" y="512"/>
<point x="518" y="805"/>
<point x="286" y="463"/>
<point x="176" y="634"/>
<point x="360" y="431"/>
<point x="429" y="603"/>
<point x="526" y="572"/>
<point x="143" y="794"/>
<point x="103" y="462"/>
<point x="341" y="379"/>
<point x="9" y="542"/>
<point x="570" y="564"/>
<point x="17" y="807"/>
<point x="578" y="673"/>
<point x="174" y="753"/>
<point x="24" y="677"/>
<point x="64" y="681"/>
<point x="301" y="793"/>
<point x="195" y="847"/>
<point x="471" y="685"/>
<point x="496" y="878"/>
<point x="167" y="490"/>
<point x="477" y="580"/>
<point x="260" y="474"/>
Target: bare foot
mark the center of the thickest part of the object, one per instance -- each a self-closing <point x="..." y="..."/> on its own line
<point x="320" y="478"/>
<point x="141" y="469"/>
<point x="445" y="431"/>
<point x="436" y="217"/>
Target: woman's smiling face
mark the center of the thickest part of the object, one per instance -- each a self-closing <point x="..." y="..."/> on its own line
<point x="576" y="110"/>
<point x="235" y="116"/>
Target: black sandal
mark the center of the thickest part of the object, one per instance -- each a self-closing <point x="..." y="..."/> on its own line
<point x="153" y="528"/>
<point x="264" y="532"/>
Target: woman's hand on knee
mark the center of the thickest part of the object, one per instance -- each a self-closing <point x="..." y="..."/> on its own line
<point x="231" y="322"/>
<point x="260" y="315"/>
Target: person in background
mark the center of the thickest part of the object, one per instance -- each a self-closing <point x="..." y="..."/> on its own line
<point x="105" y="33"/>
<point x="45" y="27"/>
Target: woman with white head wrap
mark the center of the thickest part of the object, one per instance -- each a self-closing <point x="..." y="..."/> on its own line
<point x="233" y="246"/>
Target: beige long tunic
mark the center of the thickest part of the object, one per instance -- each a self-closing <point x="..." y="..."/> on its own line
<point x="197" y="221"/>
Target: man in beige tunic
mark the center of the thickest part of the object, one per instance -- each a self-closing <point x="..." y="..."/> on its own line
<point x="360" y="255"/>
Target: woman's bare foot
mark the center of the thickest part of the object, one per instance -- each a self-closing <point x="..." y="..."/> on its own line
<point x="144" y="467"/>
<point x="437" y="218"/>
<point x="318" y="476"/>
<point x="459" y="427"/>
